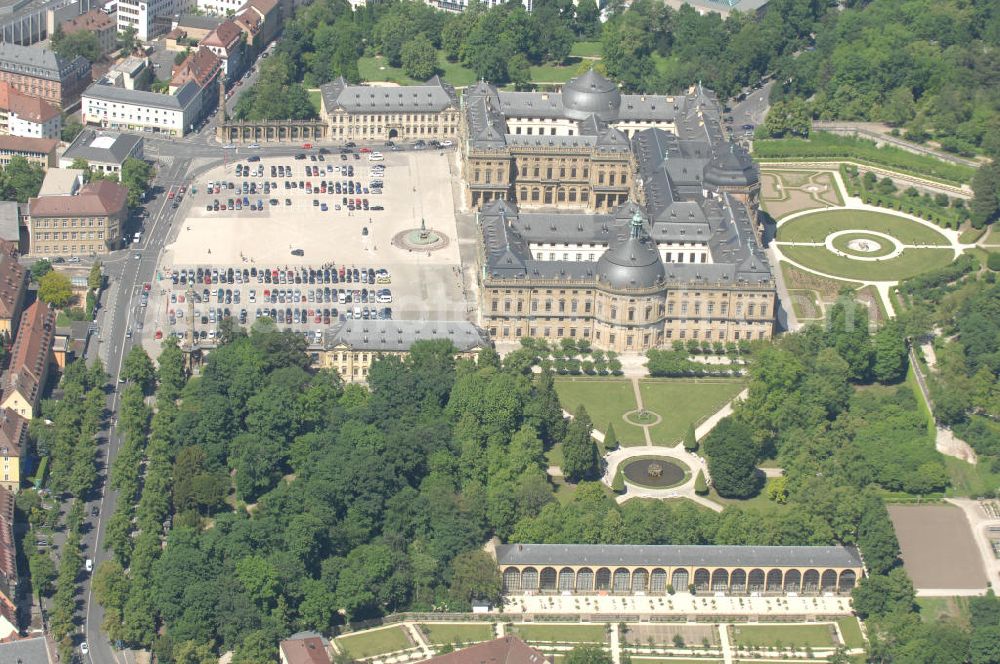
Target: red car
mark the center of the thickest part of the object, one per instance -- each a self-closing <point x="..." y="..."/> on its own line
<point x="307" y="146"/>
<point x="364" y="150"/>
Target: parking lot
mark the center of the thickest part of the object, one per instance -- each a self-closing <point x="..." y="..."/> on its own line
<point x="309" y="215"/>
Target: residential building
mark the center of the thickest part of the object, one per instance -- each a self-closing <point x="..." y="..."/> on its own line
<point x="407" y="113"/>
<point x="305" y="648"/>
<point x="352" y="346"/>
<point x="88" y="223"/>
<point x="22" y="385"/>
<point x="196" y="27"/>
<point x="10" y="227"/>
<point x="635" y="569"/>
<point x="61" y="182"/>
<point x="628" y="244"/>
<point x="8" y="550"/>
<point x="722" y="7"/>
<point x="13" y="445"/>
<point x="39" y="72"/>
<point x="13" y="288"/>
<point x="202" y="67"/>
<point x="34" y="650"/>
<point x="228" y="42"/>
<point x="149" y="19"/>
<point x="103" y="26"/>
<point x="220" y="7"/>
<point x="22" y="115"/>
<point x="508" y="649"/>
<point x="116" y="108"/>
<point x="104" y="151"/>
<point x="261" y="21"/>
<point x="8" y="622"/>
<point x="41" y="151"/>
<point x="458" y="5"/>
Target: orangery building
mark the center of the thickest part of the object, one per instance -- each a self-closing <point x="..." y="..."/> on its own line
<point x="659" y="569"/>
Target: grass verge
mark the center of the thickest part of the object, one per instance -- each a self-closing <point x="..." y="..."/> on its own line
<point x="800" y="636"/>
<point x="908" y="264"/>
<point x="850" y="629"/>
<point x="816" y="226"/>
<point x="441" y="633"/>
<point x="606" y="400"/>
<point x="374" y="642"/>
<point x="561" y="633"/>
<point x="681" y="402"/>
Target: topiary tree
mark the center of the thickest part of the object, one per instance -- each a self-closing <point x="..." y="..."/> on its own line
<point x="610" y="438"/>
<point x="690" y="440"/>
<point x="700" y="485"/>
<point x="618" y="483"/>
<point x="993" y="261"/>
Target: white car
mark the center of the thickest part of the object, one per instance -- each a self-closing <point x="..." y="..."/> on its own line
<point x="254" y="146"/>
<point x="446" y="144"/>
<point x="229" y="146"/>
<point x="84" y="648"/>
<point x="375" y="156"/>
<point x="89" y="565"/>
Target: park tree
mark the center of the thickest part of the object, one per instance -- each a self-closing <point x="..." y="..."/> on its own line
<point x="136" y="176"/>
<point x="55" y="288"/>
<point x="138" y="368"/>
<point x="474" y="576"/>
<point x="985" y="206"/>
<point x="94" y="277"/>
<point x="847" y="333"/>
<point x="690" y="439"/>
<point x="985" y="644"/>
<point x="876" y="536"/>
<point x="40" y="268"/>
<point x="732" y="459"/>
<point x="787" y="118"/>
<point x="81" y="42"/>
<point x="21" y="179"/>
<point x="580" y="459"/>
<point x="71" y="130"/>
<point x="890" y="353"/>
<point x="418" y="58"/>
<point x="171" y="372"/>
<point x="587" y="655"/>
<point x="879" y="595"/>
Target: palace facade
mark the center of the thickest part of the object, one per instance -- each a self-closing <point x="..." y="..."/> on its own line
<point x="659" y="569"/>
<point x="405" y="113"/>
<point x="626" y="220"/>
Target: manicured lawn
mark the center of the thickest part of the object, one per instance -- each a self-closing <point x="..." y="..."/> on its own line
<point x="785" y="635"/>
<point x="315" y="96"/>
<point x="804" y="304"/>
<point x="561" y="633"/>
<point x="969" y="480"/>
<point x="646" y="660"/>
<point x="586" y="49"/>
<point x="458" y="632"/>
<point x="822" y="145"/>
<point x="553" y="73"/>
<point x="681" y="402"/>
<point x="816" y="226"/>
<point x="850" y="628"/>
<point x="760" y="503"/>
<point x="374" y="642"/>
<point x="908" y="264"/>
<point x="376" y="69"/>
<point x="606" y="400"/>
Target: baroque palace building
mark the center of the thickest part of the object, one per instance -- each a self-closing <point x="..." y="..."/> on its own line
<point x="626" y="220"/>
<point x="658" y="569"/>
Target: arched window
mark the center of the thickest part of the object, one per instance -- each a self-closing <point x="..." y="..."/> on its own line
<point x="561" y="195"/>
<point x="847" y="580"/>
<point x="680" y="580"/>
<point x="529" y="579"/>
<point x="535" y="193"/>
<point x="738" y="581"/>
<point x="640" y="581"/>
<point x="585" y="580"/>
<point x="658" y="581"/>
<point x="511" y="580"/>
<point x="701" y="579"/>
<point x="566" y="579"/>
<point x="793" y="581"/>
<point x="572" y="195"/>
<point x="548" y="579"/>
<point x="810" y="581"/>
<point x="720" y="580"/>
<point x="828" y="582"/>
<point x="755" y="582"/>
<point x="622" y="580"/>
<point x="774" y="581"/>
<point x="603" y="579"/>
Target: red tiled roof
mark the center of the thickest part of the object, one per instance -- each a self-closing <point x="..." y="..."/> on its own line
<point x="250" y="21"/>
<point x="92" y="21"/>
<point x="309" y="650"/>
<point x="505" y="650"/>
<point x="224" y="36"/>
<point x="263" y="6"/>
<point x="28" y="145"/>
<point x="33" y="109"/>
<point x="13" y="433"/>
<point x="30" y="354"/>
<point x="95" y="199"/>
<point x="13" y="282"/>
<point x="200" y="66"/>
<point x="8" y="554"/>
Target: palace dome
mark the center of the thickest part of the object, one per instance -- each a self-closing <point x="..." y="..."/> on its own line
<point x="591" y="94"/>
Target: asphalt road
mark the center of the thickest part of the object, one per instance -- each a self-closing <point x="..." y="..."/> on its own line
<point x="753" y="109"/>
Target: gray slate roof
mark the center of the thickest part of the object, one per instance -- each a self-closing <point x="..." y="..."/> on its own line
<point x="399" y="335"/>
<point x="38" y="62"/>
<point x="24" y="651"/>
<point x="664" y="555"/>
<point x="432" y="97"/>
<point x="9" y="220"/>
<point x="186" y="95"/>
<point x="116" y="153"/>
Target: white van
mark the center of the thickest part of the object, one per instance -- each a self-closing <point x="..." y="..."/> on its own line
<point x="375" y="156"/>
<point x="136" y="238"/>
